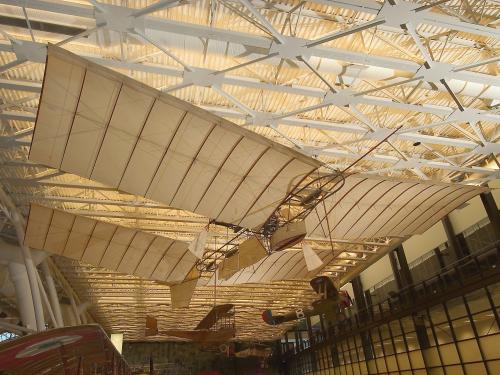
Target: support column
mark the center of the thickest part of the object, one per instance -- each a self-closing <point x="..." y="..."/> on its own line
<point x="82" y="308"/>
<point x="452" y="240"/>
<point x="35" y="291"/>
<point x="324" y="330"/>
<point x="46" y="302"/>
<point x="439" y="257"/>
<point x="287" y="344"/>
<point x="369" y="301"/>
<point x="421" y="331"/>
<point x="17" y="220"/>
<point x="335" y="354"/>
<point x="492" y="211"/>
<point x="463" y="244"/>
<point x="402" y="275"/>
<point x="312" y="343"/>
<point x="395" y="269"/>
<point x="54" y="299"/>
<point x="368" y="298"/>
<point x="357" y="287"/>
<point x="280" y="354"/>
<point x="75" y="310"/>
<point x="406" y="276"/>
<point x="68" y="314"/>
<point x="310" y="331"/>
<point x="19" y="276"/>
<point x="359" y="298"/>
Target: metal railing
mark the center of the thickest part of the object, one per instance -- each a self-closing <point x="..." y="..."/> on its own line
<point x="458" y="277"/>
<point x="477" y="238"/>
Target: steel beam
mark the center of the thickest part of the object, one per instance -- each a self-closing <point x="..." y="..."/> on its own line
<point x="21" y="85"/>
<point x="320" y="124"/>
<point x="341" y="153"/>
<point x="202" y="31"/>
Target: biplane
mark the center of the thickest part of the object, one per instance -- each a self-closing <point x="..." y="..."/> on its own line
<point x="330" y="305"/>
<point x="217" y="327"/>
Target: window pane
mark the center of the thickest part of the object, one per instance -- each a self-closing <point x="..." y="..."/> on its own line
<point x="399" y="343"/>
<point x="395" y="328"/>
<point x="384" y="331"/>
<point x="456" y="308"/>
<point x="463" y="329"/>
<point x="478" y="301"/>
<point x="378" y="349"/>
<point x="495" y="293"/>
<point x="411" y="340"/>
<point x="407" y="323"/>
<point x="389" y="349"/>
<point x="443" y="333"/>
<point x="438" y="314"/>
<point x="485" y="323"/>
<point x="375" y="335"/>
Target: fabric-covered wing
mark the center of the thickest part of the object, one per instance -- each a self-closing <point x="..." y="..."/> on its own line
<point x="101" y="125"/>
<point x="181" y="294"/>
<point x="108" y="245"/>
<point x="370" y="207"/>
<point x="249" y="252"/>
<point x="281" y="265"/>
<point x="213" y="315"/>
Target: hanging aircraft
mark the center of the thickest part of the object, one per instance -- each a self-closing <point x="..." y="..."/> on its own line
<point x="126" y="135"/>
<point x="154" y="145"/>
<point x="330" y="305"/>
<point x="217" y="327"/>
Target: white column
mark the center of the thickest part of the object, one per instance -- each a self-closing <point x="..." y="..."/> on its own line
<point x="75" y="310"/>
<point x="45" y="300"/>
<point x="68" y="315"/>
<point x="54" y="299"/>
<point x="33" y="283"/>
<point x="17" y="220"/>
<point x="82" y="309"/>
<point x="19" y="277"/>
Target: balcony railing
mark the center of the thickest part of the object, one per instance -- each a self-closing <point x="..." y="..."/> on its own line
<point x="467" y="274"/>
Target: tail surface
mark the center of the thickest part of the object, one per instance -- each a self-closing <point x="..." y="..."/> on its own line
<point x="267" y="316"/>
<point x="151" y="326"/>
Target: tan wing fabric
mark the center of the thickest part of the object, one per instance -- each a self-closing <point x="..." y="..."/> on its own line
<point x="101" y="125"/>
<point x="107" y="245"/>
<point x="151" y="326"/>
<point x="282" y="265"/>
<point x="249" y="252"/>
<point x="370" y="207"/>
<point x="181" y="294"/>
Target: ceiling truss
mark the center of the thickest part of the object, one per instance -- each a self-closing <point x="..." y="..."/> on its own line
<point x="329" y="78"/>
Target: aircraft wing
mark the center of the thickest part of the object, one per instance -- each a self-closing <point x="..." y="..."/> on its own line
<point x="201" y="336"/>
<point x="213" y="315"/>
<point x="108" y="245"/>
<point x="99" y="124"/>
